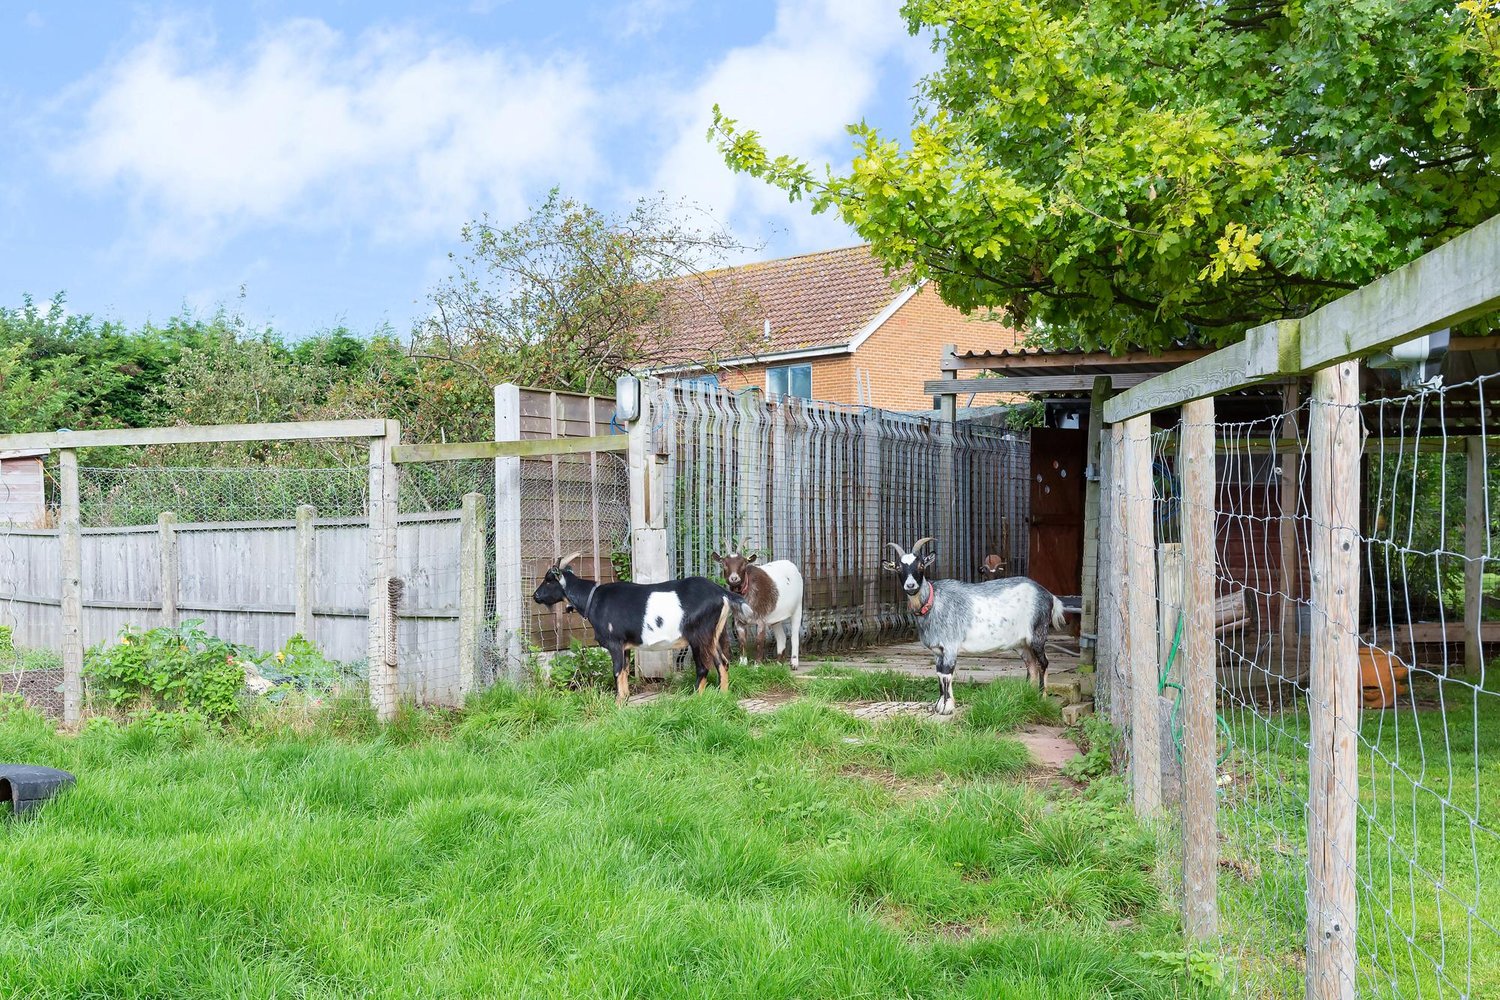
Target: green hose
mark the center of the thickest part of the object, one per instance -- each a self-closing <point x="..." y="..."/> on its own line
<point x="1176" y="725"/>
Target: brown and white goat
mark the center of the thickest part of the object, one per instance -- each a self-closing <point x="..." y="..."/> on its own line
<point x="773" y="600"/>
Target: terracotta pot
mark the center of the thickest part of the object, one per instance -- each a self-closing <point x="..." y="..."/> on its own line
<point x="1380" y="674"/>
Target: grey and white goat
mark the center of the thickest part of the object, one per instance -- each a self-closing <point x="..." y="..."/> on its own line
<point x="955" y="617"/>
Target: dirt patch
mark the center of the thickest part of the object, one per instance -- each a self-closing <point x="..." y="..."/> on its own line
<point x="40" y="688"/>
<point x="902" y="789"/>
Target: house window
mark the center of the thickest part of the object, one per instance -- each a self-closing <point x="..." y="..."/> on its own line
<point x="708" y="381"/>
<point x="789" y="380"/>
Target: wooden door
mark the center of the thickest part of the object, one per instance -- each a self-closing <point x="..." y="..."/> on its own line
<point x="1057" y="487"/>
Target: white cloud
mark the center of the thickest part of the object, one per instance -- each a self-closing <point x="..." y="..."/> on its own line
<point x="646" y="17"/>
<point x="818" y="70"/>
<point x="388" y="132"/>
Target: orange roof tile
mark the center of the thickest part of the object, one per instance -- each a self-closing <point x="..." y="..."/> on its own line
<point x="816" y="300"/>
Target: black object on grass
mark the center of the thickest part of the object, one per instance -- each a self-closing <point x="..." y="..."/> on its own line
<point x="27" y="786"/>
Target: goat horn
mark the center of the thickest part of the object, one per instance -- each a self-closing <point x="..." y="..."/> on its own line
<point x="921" y="542"/>
<point x="900" y="552"/>
<point x="563" y="563"/>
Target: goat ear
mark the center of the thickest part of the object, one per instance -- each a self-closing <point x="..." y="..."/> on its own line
<point x="928" y="560"/>
<point x="715" y="556"/>
<point x="889" y="565"/>
<point x="753" y="556"/>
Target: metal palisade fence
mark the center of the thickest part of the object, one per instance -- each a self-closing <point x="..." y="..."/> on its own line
<point x="826" y="486"/>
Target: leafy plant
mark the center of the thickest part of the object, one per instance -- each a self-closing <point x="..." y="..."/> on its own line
<point x="582" y="668"/>
<point x="7" y="641"/>
<point x="1097" y="738"/>
<point x="182" y="667"/>
<point x="1203" y="969"/>
<point x="300" y="664"/>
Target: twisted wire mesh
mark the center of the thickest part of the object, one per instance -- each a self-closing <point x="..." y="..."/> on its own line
<point x="1428" y="865"/>
<point x="1262" y="617"/>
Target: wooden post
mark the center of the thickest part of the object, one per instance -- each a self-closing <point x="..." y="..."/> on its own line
<point x="385" y="590"/>
<point x="1141" y="618"/>
<point x="70" y="544"/>
<point x="1333" y="697"/>
<point x="1289" y="578"/>
<point x="650" y="561"/>
<point x="307" y="564"/>
<point x="873" y="544"/>
<point x="1169" y="582"/>
<point x="1088" y="626"/>
<point x="166" y="527"/>
<point x="1118" y="663"/>
<point x="510" y="595"/>
<point x="470" y="591"/>
<point x="1476" y="547"/>
<point x="1200" y="860"/>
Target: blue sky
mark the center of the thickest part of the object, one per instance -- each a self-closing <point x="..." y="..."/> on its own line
<point x="322" y="156"/>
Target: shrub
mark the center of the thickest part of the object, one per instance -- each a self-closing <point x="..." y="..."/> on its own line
<point x="582" y="668"/>
<point x="301" y="665"/>
<point x="1097" y="740"/>
<point x="175" y="668"/>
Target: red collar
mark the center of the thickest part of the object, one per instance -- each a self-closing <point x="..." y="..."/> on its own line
<point x="931" y="596"/>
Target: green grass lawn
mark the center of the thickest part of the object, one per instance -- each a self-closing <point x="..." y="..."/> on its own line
<point x="550" y="845"/>
<point x="1428" y="878"/>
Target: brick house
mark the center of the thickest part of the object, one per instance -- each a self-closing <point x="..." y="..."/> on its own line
<point x="830" y="325"/>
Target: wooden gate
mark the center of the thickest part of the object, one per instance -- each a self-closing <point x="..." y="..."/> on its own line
<point x="1057" y="488"/>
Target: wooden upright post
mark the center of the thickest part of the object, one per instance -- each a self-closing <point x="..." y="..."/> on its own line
<point x="307" y="567"/>
<point x="1200" y="861"/>
<point x="1117" y="670"/>
<point x="1476" y="547"/>
<point x="650" y="561"/>
<point x="70" y="545"/>
<point x="1333" y="697"/>
<point x="1088" y="628"/>
<point x="510" y="595"/>
<point x="166" y="528"/>
<point x="470" y="591"/>
<point x="1141" y="618"/>
<point x="385" y="588"/>
<point x="1289" y="578"/>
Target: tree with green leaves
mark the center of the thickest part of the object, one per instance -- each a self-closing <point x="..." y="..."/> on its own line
<point x="1130" y="173"/>
<point x="568" y="298"/>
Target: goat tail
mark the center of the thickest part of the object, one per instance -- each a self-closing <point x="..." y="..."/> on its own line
<point x="736" y="605"/>
<point x="1058" y="617"/>
<point x="724" y="613"/>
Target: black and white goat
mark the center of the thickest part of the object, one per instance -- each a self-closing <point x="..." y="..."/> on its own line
<point x="955" y="617"/>
<point x="691" y="613"/>
<point x="773" y="602"/>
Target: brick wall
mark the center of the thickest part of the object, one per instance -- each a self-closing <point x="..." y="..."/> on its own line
<point x="907" y="350"/>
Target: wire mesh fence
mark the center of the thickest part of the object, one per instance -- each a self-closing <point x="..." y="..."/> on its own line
<point x="1410" y="653"/>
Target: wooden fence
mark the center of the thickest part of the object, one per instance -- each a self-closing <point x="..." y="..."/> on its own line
<point x="257" y="583"/>
<point x="1331" y="811"/>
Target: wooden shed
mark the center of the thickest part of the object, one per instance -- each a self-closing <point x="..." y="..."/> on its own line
<point x="23" y="492"/>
